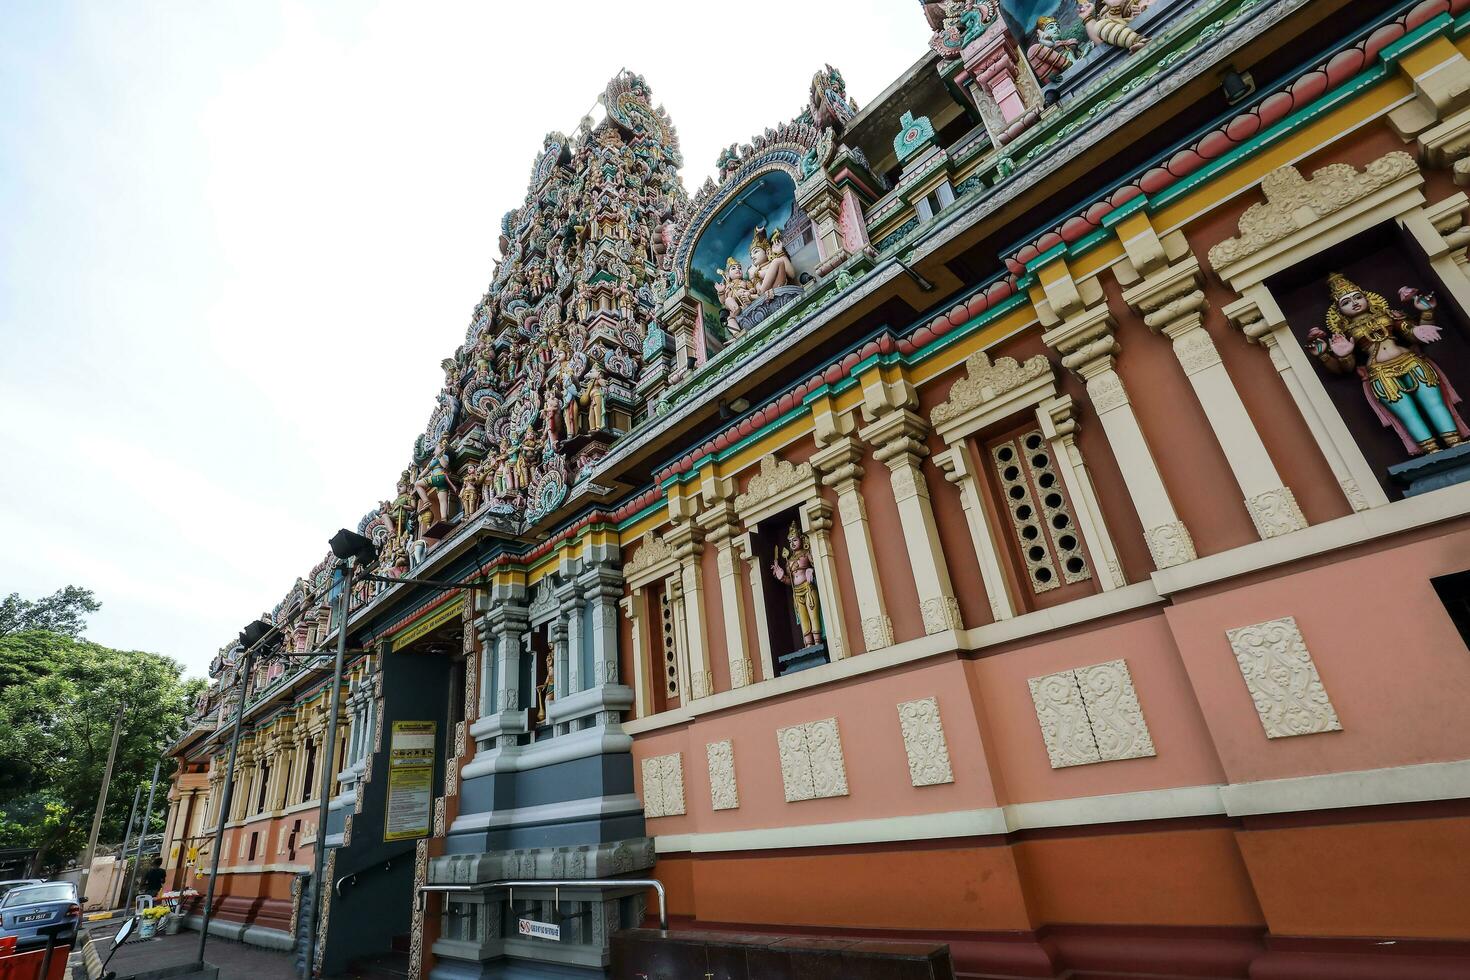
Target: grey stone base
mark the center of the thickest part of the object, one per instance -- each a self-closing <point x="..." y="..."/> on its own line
<point x="261" y="936"/>
<point x="1433" y="471"/>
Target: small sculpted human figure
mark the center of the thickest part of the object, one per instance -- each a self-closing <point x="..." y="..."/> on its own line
<point x="1366" y="336"/>
<point x="1050" y="53"/>
<point x="469" y="490"/>
<point x="734" y="291"/>
<point x="546" y="690"/>
<point x="770" y="267"/>
<point x="793" y="567"/>
<point x="436" y="479"/>
<point x="594" y="396"/>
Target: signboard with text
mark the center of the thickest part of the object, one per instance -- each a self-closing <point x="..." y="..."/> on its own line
<point x="410" y="780"/>
<point x="540" y="930"/>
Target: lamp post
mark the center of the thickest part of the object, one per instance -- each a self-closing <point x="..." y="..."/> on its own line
<point x="250" y="638"/>
<point x="117" y="721"/>
<point x="353" y="550"/>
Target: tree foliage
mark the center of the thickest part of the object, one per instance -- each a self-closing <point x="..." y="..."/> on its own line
<point x="58" y="697"/>
<point x="64" y="612"/>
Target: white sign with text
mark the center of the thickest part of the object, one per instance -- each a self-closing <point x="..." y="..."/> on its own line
<point x="540" y="930"/>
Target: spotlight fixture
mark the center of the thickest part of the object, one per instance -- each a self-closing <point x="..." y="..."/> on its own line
<point x="1237" y="86"/>
<point x="346" y="544"/>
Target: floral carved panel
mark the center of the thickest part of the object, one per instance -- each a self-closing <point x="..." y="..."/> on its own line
<point x="1282" y="679"/>
<point x="723" y="793"/>
<point x="923" y="741"/>
<point x="1118" y="727"/>
<point x="812" y="765"/>
<point x="1063" y="720"/>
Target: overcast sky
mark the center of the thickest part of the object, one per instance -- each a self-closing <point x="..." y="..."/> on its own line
<point x="236" y="239"/>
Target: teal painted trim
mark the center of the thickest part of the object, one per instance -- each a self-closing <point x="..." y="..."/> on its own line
<point x="1090" y="241"/>
<point x="818" y="392"/>
<point x="1118" y="214"/>
<point x="656" y="505"/>
<point x="1045" y="258"/>
<point x="1275" y="134"/>
<point x="1416" y="38"/>
<point x="1461" y="25"/>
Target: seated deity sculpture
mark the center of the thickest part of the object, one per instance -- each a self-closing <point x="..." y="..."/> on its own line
<point x="1382" y="345"/>
<point x="734" y="290"/>
<point x="770" y="266"/>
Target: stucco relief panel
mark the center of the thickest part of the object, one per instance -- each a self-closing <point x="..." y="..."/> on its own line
<point x="1282" y="679"/>
<point x="923" y="741"/>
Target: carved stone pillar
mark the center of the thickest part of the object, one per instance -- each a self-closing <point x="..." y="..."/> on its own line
<point x="687" y="540"/>
<point x="557" y="635"/>
<point x="1088" y="349"/>
<point x="897" y="438"/>
<point x="570" y="596"/>
<point x="822" y="202"/>
<point x="753" y="574"/>
<point x="1001" y="83"/>
<point x="840" y="469"/>
<point x="1059" y="427"/>
<point x="1172" y="303"/>
<point x="635" y="607"/>
<point x="601" y="586"/>
<point x="1359" y="485"/>
<point x="718" y="523"/>
<point x="958" y="463"/>
<point x="503" y="626"/>
<point x="816" y="521"/>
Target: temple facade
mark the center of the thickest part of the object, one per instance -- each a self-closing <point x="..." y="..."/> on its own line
<point x="1027" y="512"/>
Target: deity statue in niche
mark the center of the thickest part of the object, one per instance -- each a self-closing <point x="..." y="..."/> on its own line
<point x="546" y="690"/>
<point x="402" y="507"/>
<point x="1107" y="22"/>
<point x="469" y="490"/>
<point x="794" y="568"/>
<point x="1407" y="390"/>
<point x="770" y="266"/>
<point x="594" y="396"/>
<point x="734" y="290"/>
<point x="435" y="479"/>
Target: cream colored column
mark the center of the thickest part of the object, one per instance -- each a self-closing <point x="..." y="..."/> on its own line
<point x="1259" y="318"/>
<point x="1059" y="427"/>
<point x="1088" y="348"/>
<point x="753" y="574"/>
<point x="688" y="544"/>
<point x="816" y="521"/>
<point x="840" y="469"/>
<point x="718" y="522"/>
<point x="897" y="438"/>
<point x="635" y="607"/>
<point x="958" y="464"/>
<point x="1171" y="301"/>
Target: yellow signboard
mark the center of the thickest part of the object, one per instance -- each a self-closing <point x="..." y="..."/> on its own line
<point x="410" y="780"/>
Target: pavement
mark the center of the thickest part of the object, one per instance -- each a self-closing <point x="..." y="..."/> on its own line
<point x="236" y="961"/>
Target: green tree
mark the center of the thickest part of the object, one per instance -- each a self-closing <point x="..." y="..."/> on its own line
<point x="64" y="611"/>
<point x="58" y="727"/>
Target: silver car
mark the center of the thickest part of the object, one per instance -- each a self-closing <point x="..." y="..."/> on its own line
<point x="27" y="910"/>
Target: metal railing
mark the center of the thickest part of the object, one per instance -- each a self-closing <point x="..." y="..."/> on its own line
<point x="556" y="885"/>
<point x="381" y="864"/>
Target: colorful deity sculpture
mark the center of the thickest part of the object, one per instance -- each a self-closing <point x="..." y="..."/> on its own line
<point x="469" y="490"/>
<point x="1407" y="390"/>
<point x="734" y="291"/>
<point x="1107" y="22"/>
<point x="402" y="507"/>
<point x="435" y="478"/>
<point x="594" y="397"/>
<point x="794" y="568"/>
<point x="546" y="690"/>
<point x="770" y="267"/>
<point x="1050" y="52"/>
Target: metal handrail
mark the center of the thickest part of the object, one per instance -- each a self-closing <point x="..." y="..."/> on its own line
<point x="382" y="864"/>
<point x="557" y="884"/>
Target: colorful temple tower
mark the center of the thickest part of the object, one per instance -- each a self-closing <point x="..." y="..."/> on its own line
<point x="1025" y="514"/>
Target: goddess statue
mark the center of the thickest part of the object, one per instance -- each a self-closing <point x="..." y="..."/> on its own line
<point x="546" y="690"/>
<point x="793" y="567"/>
<point x="469" y="490"/>
<point x="1408" y="392"/>
<point x="770" y="267"/>
<point x="735" y="290"/>
<point x="436" y="478"/>
<point x="594" y="396"/>
<point x="1107" y="22"/>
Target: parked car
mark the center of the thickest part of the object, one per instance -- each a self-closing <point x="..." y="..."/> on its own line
<point x="26" y="910"/>
<point x="6" y="886"/>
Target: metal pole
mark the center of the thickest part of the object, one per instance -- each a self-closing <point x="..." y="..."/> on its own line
<point x="132" y="820"/>
<point x="101" y="804"/>
<point x="225" y="797"/>
<point x="329" y="775"/>
<point x="143" y="832"/>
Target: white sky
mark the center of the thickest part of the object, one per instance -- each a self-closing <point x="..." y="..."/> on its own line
<point x="236" y="239"/>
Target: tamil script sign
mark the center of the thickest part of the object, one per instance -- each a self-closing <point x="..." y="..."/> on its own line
<point x="410" y="780"/>
<point x="540" y="930"/>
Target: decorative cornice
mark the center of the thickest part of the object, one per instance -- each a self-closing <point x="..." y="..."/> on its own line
<point x="1293" y="202"/>
<point x="775" y="476"/>
<point x="985" y="381"/>
<point x="654" y="550"/>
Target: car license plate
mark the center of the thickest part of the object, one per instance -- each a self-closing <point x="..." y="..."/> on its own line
<point x="33" y="917"/>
